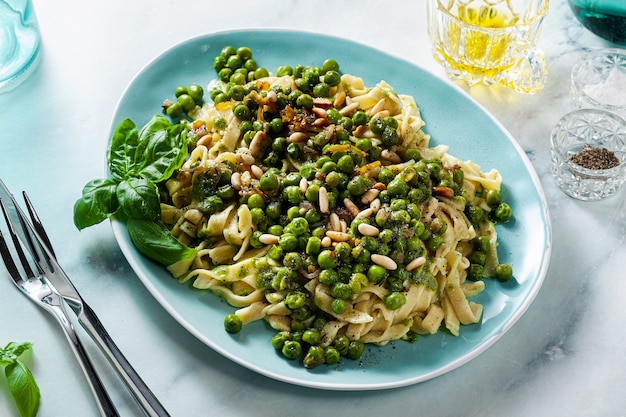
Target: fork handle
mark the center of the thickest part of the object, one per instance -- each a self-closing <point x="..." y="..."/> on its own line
<point x="105" y="405"/>
<point x="142" y="393"/>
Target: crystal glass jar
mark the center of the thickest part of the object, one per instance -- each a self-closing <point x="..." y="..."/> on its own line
<point x="582" y="145"/>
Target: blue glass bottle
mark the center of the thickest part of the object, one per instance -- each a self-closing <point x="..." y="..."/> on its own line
<point x="605" y="18"/>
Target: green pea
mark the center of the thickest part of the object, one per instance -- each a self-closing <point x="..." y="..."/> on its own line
<point x="338" y="306"/>
<point x="277" y="125"/>
<point x="358" y="281"/>
<point x="284" y="70"/>
<point x="312" y="216"/>
<point x="308" y="171"/>
<point x="275" y="253"/>
<point x="233" y="323"/>
<point x="342" y="250"/>
<point x="294" y="151"/>
<point x="279" y="339"/>
<point x="328" y="276"/>
<point x="260" y="73"/>
<point x="331" y="355"/>
<point x="330" y="65"/>
<point x="376" y="273"/>
<point x="251" y="65"/>
<point x="292" y="349"/>
<point x="293" y="194"/>
<point x="341" y="343"/>
<point x="219" y="62"/>
<point x="321" y="90"/>
<point x="224" y="75"/>
<point x="341" y="290"/>
<point x="346" y="164"/>
<point x="299" y="226"/>
<point x="482" y="244"/>
<point x="314" y="357"/>
<point x="256" y="201"/>
<point x="355" y="349"/>
<point x="227" y="51"/>
<point x="327" y="259"/>
<point x="358" y="185"/>
<point x="242" y="112"/>
<point x="293" y="261"/>
<point x="288" y="241"/>
<point x="244" y="53"/>
<point x="273" y="210"/>
<point x="503" y="272"/>
<point x="395" y="300"/>
<point x="332" y="78"/>
<point x="475" y="272"/>
<point x="397" y="187"/>
<point x="503" y="213"/>
<point x="305" y="100"/>
<point x="268" y="182"/>
<point x="186" y="102"/>
<point x="295" y="300"/>
<point x="258" y="215"/>
<point x="174" y="110"/>
<point x="311" y="336"/>
<point x="312" y="193"/>
<point x="292" y="213"/>
<point x="328" y="167"/>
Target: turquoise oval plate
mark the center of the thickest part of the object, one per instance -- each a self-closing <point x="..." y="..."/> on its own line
<point x="451" y="117"/>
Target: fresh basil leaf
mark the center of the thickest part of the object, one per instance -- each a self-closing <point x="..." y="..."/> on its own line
<point x="161" y="149"/>
<point x="23" y="388"/>
<point x="122" y="151"/>
<point x="139" y="199"/>
<point x="154" y="240"/>
<point x="97" y="203"/>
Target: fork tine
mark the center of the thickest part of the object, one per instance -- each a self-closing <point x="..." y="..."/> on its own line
<point x="6" y="254"/>
<point x="38" y="224"/>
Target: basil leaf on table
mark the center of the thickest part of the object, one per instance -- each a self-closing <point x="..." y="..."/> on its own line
<point x="20" y="380"/>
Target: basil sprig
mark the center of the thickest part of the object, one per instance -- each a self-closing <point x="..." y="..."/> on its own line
<point x="20" y="380"/>
<point x="137" y="160"/>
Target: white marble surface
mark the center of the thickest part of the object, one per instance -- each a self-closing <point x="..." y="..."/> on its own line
<point x="565" y="356"/>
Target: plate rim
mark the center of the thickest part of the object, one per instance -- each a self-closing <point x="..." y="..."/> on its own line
<point x="121" y="236"/>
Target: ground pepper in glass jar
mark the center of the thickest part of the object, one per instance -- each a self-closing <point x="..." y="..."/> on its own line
<point x="595" y="158"/>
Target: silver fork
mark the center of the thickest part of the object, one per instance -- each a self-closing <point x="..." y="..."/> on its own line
<point x="38" y="288"/>
<point x="50" y="273"/>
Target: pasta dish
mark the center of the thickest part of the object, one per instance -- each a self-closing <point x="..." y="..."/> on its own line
<point x="315" y="203"/>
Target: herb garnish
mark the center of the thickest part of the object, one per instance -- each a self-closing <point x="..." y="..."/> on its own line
<point x="137" y="161"/>
<point x="20" y="380"/>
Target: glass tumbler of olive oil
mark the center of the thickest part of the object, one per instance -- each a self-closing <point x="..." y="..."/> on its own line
<point x="490" y="42"/>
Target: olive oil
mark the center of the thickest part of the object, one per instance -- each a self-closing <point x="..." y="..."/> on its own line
<point x="473" y="48"/>
<point x="605" y="18"/>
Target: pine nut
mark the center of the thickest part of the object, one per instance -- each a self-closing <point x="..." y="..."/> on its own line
<point x="304" y="184"/>
<point x="378" y="106"/>
<point x="297" y="137"/>
<point x="268" y="239"/>
<point x="235" y="180"/>
<point x="390" y="156"/>
<point x="256" y="171"/>
<point x="340" y="99"/>
<point x="334" y="222"/>
<point x="257" y="142"/>
<point x="351" y="207"/>
<point x="365" y="213"/>
<point x="375" y="205"/>
<point x="384" y="261"/>
<point x="369" y="196"/>
<point x="323" y="200"/>
<point x="379" y="186"/>
<point x="272" y="97"/>
<point x="245" y="158"/>
<point x="368" y="230"/>
<point x="319" y="112"/>
<point x="350" y="108"/>
<point x="338" y="236"/>
<point x="326" y="242"/>
<point x="415" y="263"/>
